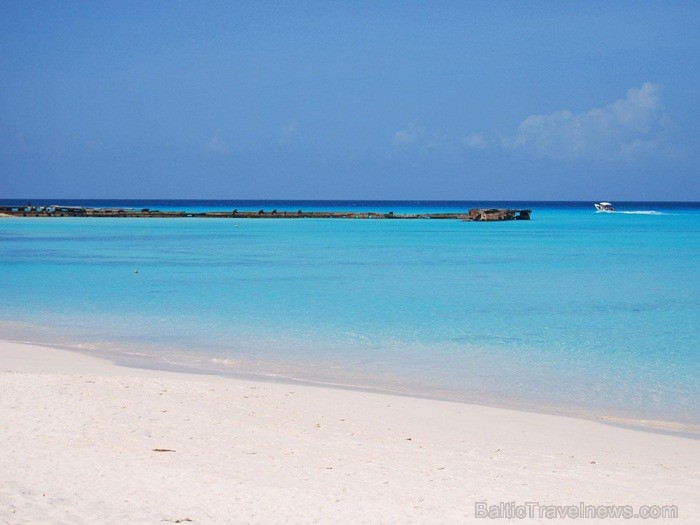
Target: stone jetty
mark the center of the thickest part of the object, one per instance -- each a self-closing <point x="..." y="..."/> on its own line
<point x="79" y="211"/>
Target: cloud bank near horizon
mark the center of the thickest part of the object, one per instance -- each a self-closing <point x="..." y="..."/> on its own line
<point x="625" y="130"/>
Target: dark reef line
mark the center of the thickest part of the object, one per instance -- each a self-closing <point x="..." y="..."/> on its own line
<point x="476" y="214"/>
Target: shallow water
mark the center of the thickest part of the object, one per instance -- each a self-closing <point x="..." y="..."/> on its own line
<point x="574" y="311"/>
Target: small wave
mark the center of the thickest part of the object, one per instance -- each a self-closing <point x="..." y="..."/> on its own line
<point x="223" y="361"/>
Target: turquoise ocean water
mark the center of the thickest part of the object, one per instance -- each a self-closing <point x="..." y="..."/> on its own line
<point x="576" y="312"/>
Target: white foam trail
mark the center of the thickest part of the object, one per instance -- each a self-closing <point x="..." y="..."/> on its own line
<point x="642" y="212"/>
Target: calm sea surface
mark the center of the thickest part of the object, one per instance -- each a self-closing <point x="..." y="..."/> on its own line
<point x="578" y="312"/>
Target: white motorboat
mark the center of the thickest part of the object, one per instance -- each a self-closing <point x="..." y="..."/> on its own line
<point x="604" y="206"/>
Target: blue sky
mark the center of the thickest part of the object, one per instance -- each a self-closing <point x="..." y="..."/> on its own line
<point x="374" y="100"/>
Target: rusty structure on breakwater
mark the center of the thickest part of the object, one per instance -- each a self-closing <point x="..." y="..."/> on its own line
<point x="476" y="215"/>
<point x="496" y="214"/>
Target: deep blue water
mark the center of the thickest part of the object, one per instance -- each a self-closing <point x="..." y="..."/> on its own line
<point x="351" y="205"/>
<point x="575" y="311"/>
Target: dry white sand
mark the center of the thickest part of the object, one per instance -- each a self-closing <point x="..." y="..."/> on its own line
<point x="78" y="438"/>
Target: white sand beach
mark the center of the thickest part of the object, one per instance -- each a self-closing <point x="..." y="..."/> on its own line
<point x="81" y="438"/>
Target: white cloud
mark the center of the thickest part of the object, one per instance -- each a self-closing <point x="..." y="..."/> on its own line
<point x="288" y="132"/>
<point x="217" y="146"/>
<point x="411" y="134"/>
<point x="475" y="141"/>
<point x="624" y="130"/>
<point x="416" y="136"/>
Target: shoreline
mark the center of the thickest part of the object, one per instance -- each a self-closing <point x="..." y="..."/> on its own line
<point x="666" y="427"/>
<point x="147" y="362"/>
<point x="82" y="435"/>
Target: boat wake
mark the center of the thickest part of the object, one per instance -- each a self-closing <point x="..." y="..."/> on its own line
<point x="642" y="212"/>
<point x="606" y="207"/>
